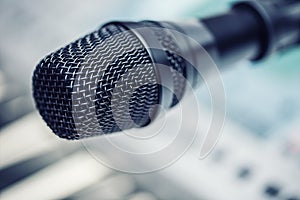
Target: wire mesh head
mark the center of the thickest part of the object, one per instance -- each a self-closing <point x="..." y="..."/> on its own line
<point x="104" y="82"/>
<point x="79" y="80"/>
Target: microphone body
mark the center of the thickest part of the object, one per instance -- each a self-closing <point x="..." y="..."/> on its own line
<point x="110" y="80"/>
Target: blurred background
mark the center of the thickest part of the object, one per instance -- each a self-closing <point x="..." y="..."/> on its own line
<point x="257" y="157"/>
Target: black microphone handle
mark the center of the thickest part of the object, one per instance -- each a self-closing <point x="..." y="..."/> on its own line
<point x="254" y="29"/>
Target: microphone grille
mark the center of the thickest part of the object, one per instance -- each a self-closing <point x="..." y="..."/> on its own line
<point x="63" y="81"/>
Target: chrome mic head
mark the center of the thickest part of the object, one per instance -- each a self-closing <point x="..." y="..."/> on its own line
<point x="111" y="80"/>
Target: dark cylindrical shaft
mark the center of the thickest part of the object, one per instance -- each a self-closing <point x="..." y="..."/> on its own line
<point x="236" y="35"/>
<point x="252" y="29"/>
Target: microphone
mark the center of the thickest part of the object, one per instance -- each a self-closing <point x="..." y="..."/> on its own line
<point x="111" y="80"/>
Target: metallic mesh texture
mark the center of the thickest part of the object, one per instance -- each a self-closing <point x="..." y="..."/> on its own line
<point x="83" y="89"/>
<point x="104" y="82"/>
<point x="176" y="62"/>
